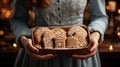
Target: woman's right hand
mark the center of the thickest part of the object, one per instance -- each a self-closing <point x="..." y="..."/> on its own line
<point x="33" y="51"/>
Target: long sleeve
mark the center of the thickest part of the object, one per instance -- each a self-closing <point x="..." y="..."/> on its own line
<point x="99" y="18"/>
<point x="19" y="21"/>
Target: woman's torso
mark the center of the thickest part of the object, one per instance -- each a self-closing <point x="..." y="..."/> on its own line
<point x="61" y="12"/>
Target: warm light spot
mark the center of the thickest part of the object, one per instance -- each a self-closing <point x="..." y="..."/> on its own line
<point x="111" y="47"/>
<point x="1" y="32"/>
<point x="118" y="11"/>
<point x="3" y="10"/>
<point x="112" y="5"/>
<point x="118" y="34"/>
<point x="8" y="13"/>
<point x="108" y="7"/>
<point x="5" y="1"/>
<point x="14" y="45"/>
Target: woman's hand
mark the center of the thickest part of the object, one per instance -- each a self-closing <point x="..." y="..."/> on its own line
<point x="94" y="37"/>
<point x="32" y="51"/>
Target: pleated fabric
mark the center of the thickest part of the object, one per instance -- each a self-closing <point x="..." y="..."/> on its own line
<point x="24" y="60"/>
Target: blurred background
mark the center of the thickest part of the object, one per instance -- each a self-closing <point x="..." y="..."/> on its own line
<point x="109" y="49"/>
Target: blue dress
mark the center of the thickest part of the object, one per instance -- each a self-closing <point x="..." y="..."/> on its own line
<point x="60" y="13"/>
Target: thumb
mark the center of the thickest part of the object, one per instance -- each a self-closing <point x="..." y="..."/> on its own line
<point x="31" y="47"/>
<point x="94" y="47"/>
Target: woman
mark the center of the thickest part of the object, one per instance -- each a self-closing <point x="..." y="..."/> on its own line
<point x="57" y="13"/>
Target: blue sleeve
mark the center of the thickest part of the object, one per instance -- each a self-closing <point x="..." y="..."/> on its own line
<point x="19" y="21"/>
<point x="99" y="18"/>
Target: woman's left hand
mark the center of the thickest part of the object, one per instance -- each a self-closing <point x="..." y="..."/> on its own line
<point x="94" y="37"/>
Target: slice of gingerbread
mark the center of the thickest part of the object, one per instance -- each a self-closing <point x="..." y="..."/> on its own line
<point x="60" y="37"/>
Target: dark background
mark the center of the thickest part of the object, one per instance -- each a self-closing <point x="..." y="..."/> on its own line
<point x="8" y="53"/>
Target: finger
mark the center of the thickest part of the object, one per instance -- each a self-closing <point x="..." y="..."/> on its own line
<point x="41" y="57"/>
<point x="84" y="56"/>
<point x="94" y="47"/>
<point x="80" y="56"/>
<point x="31" y="47"/>
<point x="94" y="44"/>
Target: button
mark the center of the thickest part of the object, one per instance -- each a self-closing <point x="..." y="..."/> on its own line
<point x="59" y="15"/>
<point x="59" y="21"/>
<point x="58" y="8"/>
<point x="58" y="1"/>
